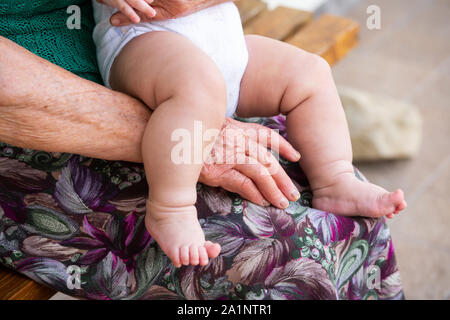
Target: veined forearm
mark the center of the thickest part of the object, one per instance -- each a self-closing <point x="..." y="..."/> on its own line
<point x="45" y="107"/>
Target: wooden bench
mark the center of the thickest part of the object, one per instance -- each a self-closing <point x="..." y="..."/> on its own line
<point x="14" y="286"/>
<point x="328" y="36"/>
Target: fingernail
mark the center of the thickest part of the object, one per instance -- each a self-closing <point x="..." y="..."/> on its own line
<point x="284" y="203"/>
<point x="265" y="203"/>
<point x="298" y="155"/>
<point x="295" y="194"/>
<point x="115" y="22"/>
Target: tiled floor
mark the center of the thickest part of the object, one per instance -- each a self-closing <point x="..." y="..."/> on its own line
<point x="409" y="59"/>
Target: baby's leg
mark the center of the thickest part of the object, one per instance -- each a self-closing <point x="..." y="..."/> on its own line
<point x="181" y="84"/>
<point x="283" y="79"/>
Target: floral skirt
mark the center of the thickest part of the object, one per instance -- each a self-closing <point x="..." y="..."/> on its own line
<point x="76" y="225"/>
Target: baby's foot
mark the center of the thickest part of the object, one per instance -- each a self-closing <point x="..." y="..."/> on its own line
<point x="347" y="195"/>
<point x="178" y="233"/>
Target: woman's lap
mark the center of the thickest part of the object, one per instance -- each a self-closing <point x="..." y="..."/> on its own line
<point x="59" y="210"/>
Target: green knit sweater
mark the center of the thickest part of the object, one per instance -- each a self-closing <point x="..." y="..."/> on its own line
<point x="41" y="27"/>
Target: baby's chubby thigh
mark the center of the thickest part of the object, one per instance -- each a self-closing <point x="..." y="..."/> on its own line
<point x="161" y="65"/>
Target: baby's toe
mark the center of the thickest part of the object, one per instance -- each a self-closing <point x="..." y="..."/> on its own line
<point x="203" y="256"/>
<point x="174" y="256"/>
<point x="184" y="255"/>
<point x="397" y="197"/>
<point x="388" y="203"/>
<point x="213" y="249"/>
<point x="401" y="206"/>
<point x="194" y="254"/>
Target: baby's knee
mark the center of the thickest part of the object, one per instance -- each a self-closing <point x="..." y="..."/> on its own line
<point x="211" y="87"/>
<point x="318" y="64"/>
<point x="205" y="88"/>
<point x="309" y="73"/>
<point x="317" y="70"/>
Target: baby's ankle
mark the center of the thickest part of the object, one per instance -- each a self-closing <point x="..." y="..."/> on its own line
<point x="157" y="210"/>
<point x="331" y="173"/>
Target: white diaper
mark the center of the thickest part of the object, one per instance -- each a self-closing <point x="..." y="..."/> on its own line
<point x="216" y="30"/>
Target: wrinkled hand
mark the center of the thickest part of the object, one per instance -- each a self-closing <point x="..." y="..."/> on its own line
<point x="132" y="10"/>
<point x="241" y="163"/>
<point x="164" y="9"/>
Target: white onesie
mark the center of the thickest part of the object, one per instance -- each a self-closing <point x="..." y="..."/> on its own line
<point x="216" y="30"/>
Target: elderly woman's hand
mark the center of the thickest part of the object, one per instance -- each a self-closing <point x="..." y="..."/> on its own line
<point x="241" y="163"/>
<point x="130" y="8"/>
<point x="165" y="9"/>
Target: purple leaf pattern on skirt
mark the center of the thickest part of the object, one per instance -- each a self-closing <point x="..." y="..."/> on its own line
<point x="61" y="210"/>
<point x="331" y="228"/>
<point x="81" y="191"/>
